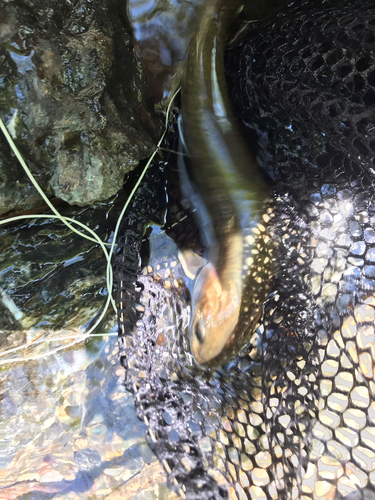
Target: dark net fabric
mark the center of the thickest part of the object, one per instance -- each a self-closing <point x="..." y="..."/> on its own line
<point x="293" y="415"/>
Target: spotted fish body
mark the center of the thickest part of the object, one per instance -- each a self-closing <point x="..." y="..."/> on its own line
<point x="228" y="180"/>
<point x="294" y="415"/>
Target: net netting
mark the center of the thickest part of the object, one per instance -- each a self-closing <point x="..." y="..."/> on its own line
<point x="293" y="414"/>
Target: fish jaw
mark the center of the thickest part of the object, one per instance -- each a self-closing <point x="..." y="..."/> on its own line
<point x="215" y="314"/>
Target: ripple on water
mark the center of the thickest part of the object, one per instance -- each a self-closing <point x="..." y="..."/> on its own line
<point x="71" y="430"/>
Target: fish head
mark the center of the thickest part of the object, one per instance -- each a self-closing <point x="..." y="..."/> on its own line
<point x="215" y="313"/>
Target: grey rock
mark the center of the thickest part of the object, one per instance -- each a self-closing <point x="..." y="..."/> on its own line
<point x="87" y="459"/>
<point x="74" y="99"/>
<point x="51" y="277"/>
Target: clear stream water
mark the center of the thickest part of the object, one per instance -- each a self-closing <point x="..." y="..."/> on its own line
<point x="68" y="428"/>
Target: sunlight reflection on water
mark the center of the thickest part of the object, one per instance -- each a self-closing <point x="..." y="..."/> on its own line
<point x="70" y="427"/>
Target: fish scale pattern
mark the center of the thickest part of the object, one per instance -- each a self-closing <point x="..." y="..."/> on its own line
<point x="292" y="416"/>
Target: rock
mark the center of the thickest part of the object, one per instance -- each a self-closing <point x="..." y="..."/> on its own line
<point x="52" y="277"/>
<point x="74" y="99"/>
<point x="87" y="459"/>
<point x="149" y="484"/>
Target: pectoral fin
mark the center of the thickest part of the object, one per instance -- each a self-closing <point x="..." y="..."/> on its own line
<point x="191" y="262"/>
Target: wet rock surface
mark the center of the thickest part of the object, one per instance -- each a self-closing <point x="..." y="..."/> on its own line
<point x="50" y="277"/>
<point x="74" y="99"/>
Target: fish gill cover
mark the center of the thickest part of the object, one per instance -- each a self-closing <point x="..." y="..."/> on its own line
<point x="293" y="415"/>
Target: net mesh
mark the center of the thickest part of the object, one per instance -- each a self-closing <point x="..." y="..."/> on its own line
<point x="293" y="415"/>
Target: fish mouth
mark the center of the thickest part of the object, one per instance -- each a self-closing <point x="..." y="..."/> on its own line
<point x="213" y="357"/>
<point x="215" y="314"/>
<point x="216" y="345"/>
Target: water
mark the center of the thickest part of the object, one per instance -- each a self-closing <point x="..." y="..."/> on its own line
<point x="162" y="31"/>
<point x="68" y="428"/>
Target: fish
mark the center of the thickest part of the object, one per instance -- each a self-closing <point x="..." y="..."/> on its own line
<point x="228" y="178"/>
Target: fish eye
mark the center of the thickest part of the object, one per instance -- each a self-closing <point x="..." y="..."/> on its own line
<point x="200" y="331"/>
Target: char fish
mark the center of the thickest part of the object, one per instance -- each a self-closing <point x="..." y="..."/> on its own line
<point x="229" y="181"/>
